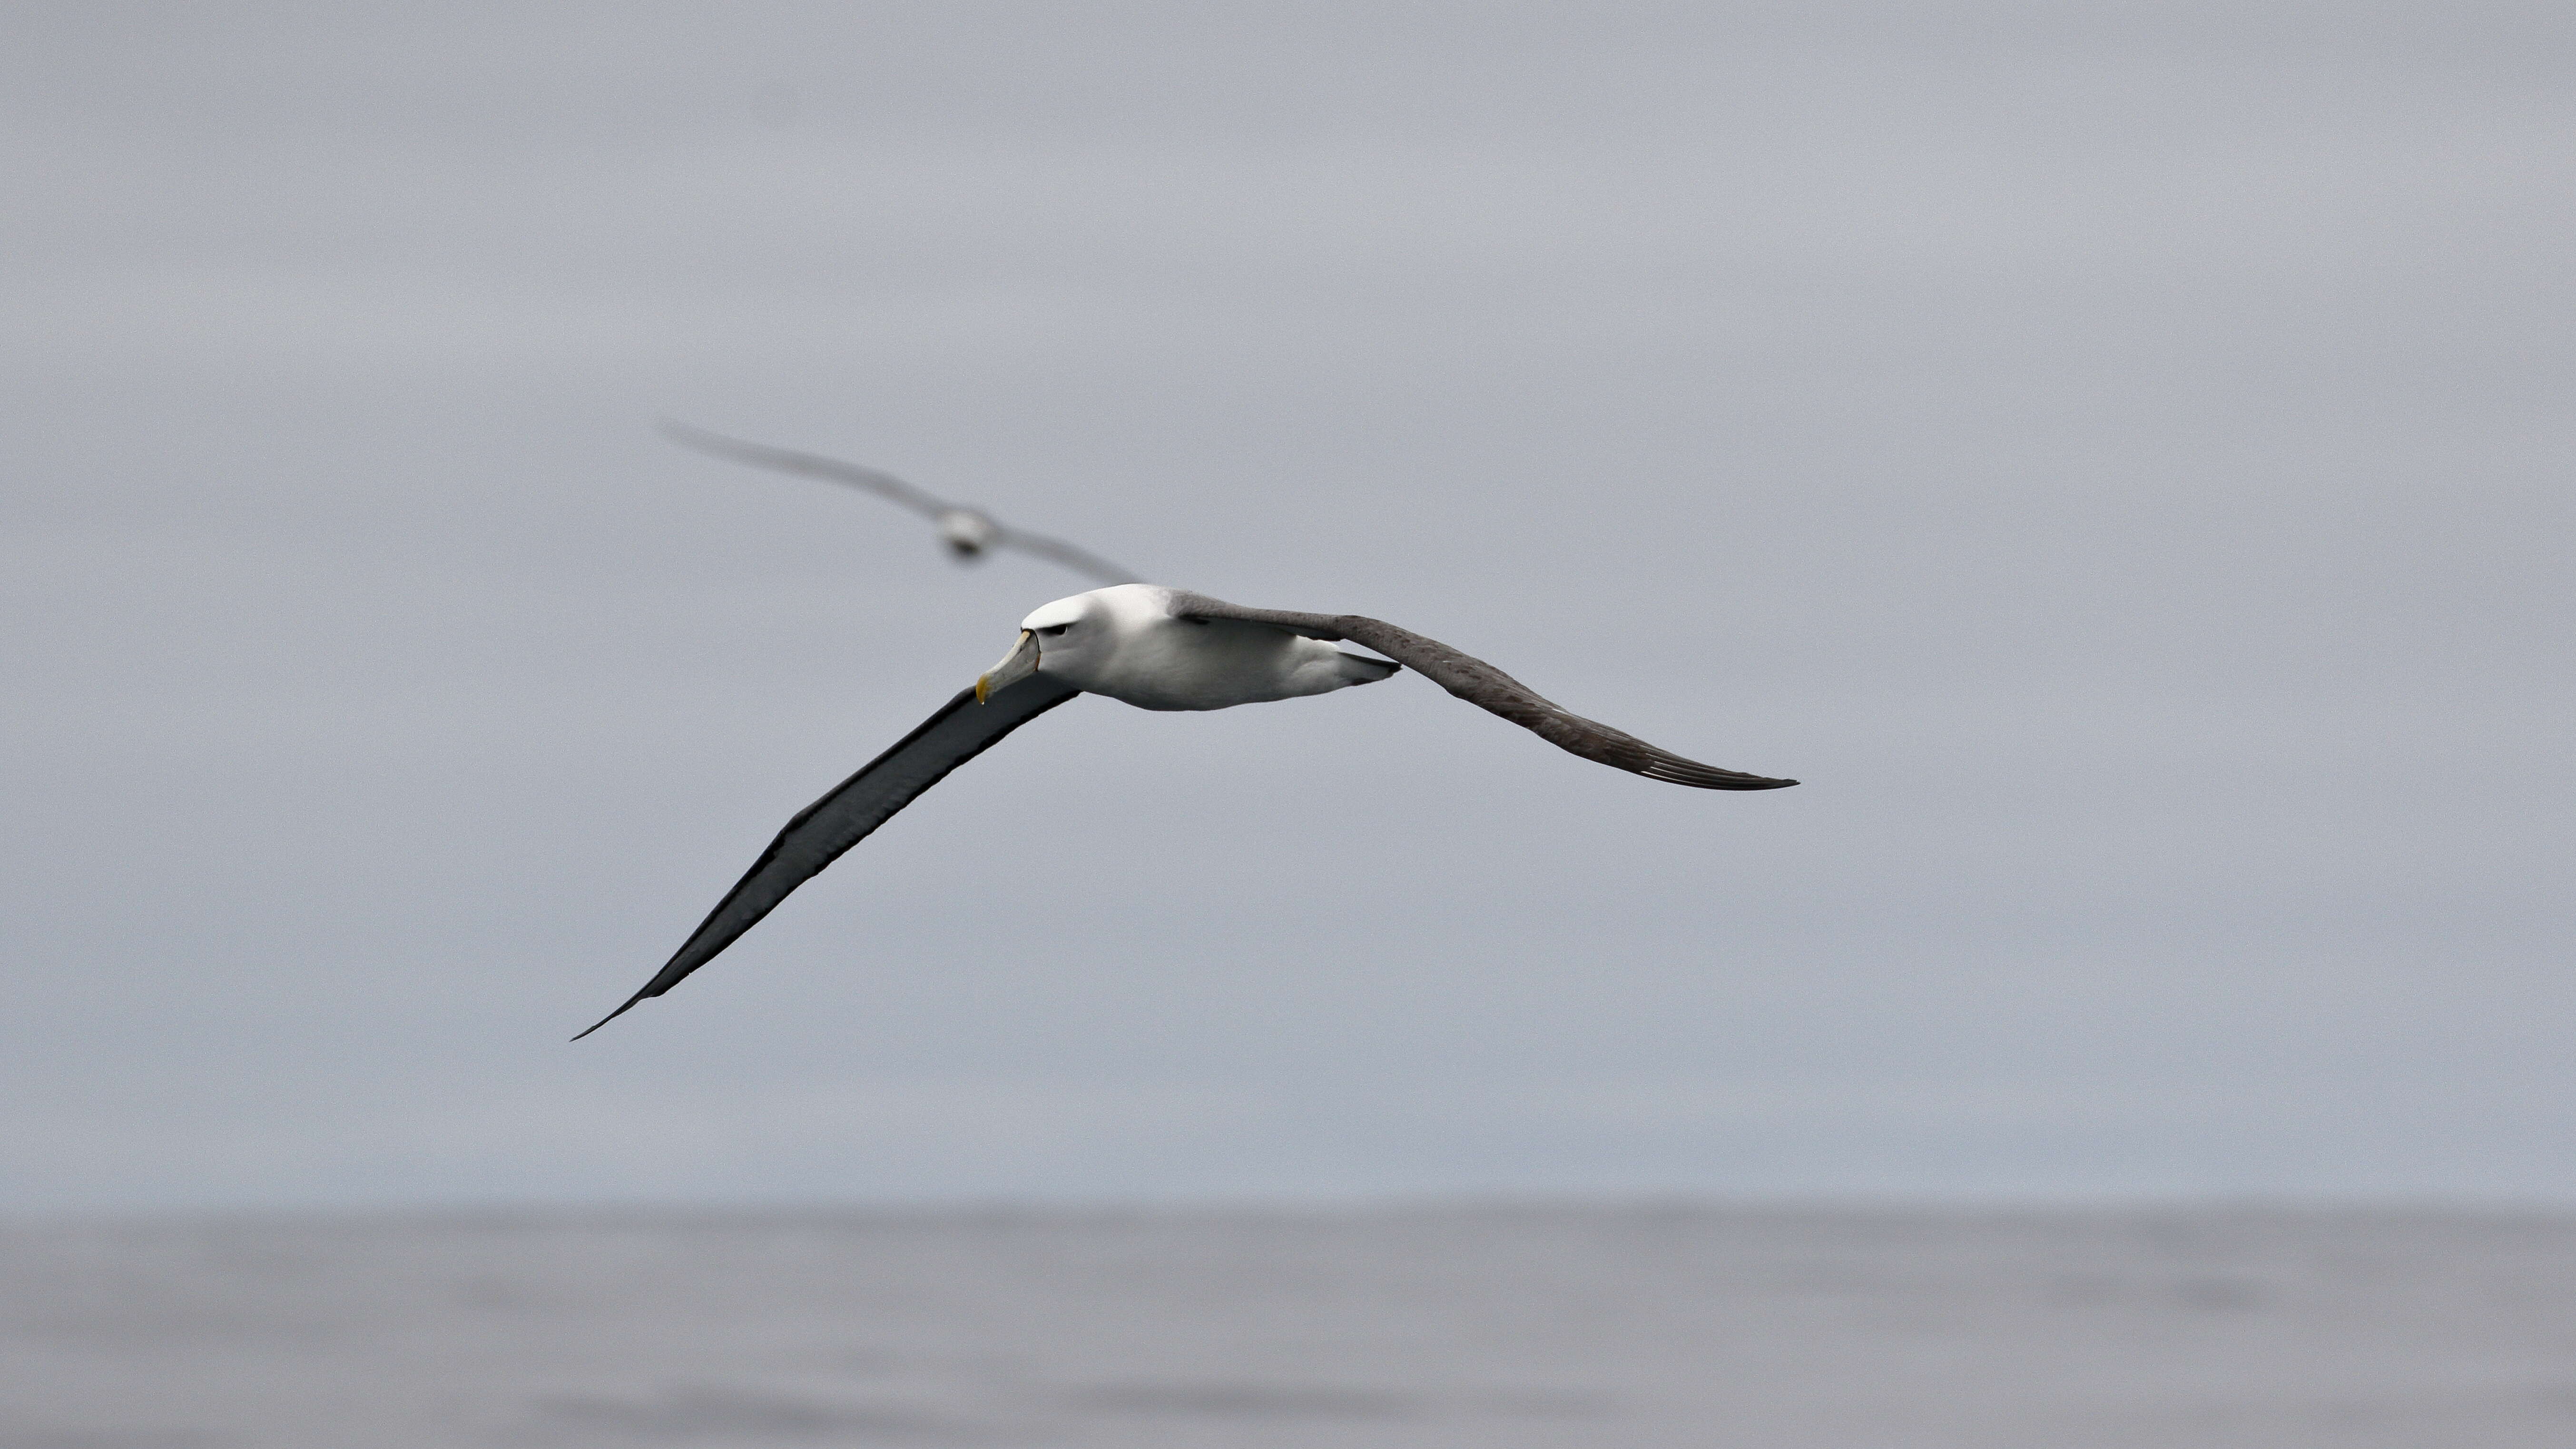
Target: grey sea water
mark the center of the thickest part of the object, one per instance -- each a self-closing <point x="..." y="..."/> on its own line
<point x="1525" y="1326"/>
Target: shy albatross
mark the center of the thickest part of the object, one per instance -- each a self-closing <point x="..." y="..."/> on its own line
<point x="1154" y="648"/>
<point x="969" y="532"/>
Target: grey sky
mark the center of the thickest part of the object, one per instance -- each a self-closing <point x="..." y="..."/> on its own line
<point x="2118" y="457"/>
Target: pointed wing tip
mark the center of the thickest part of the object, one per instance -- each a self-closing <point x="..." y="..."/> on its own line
<point x="1709" y="777"/>
<point x="612" y="1016"/>
<point x="690" y="435"/>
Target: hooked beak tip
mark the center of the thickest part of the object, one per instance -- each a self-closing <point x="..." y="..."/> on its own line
<point x="1017" y="665"/>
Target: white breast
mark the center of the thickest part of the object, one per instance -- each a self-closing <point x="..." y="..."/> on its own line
<point x="1143" y="656"/>
<point x="1168" y="663"/>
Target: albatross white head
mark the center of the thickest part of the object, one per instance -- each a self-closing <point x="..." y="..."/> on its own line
<point x="1070" y="639"/>
<point x="1125" y="642"/>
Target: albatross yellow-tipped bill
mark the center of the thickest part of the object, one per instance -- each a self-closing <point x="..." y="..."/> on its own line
<point x="1017" y="665"/>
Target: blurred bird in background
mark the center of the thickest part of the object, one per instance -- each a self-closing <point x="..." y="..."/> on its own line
<point x="968" y="531"/>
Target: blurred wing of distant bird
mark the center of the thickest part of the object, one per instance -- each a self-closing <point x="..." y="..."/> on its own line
<point x="967" y="531"/>
<point x="1056" y="550"/>
<point x="807" y="465"/>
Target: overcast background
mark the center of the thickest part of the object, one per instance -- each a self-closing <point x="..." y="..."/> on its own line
<point x="2118" y="456"/>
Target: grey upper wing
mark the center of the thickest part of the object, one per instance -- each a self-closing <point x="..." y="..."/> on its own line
<point x="821" y="831"/>
<point x="1486" y="687"/>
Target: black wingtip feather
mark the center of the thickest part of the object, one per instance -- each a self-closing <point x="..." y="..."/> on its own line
<point x="1709" y="777"/>
<point x="612" y="1016"/>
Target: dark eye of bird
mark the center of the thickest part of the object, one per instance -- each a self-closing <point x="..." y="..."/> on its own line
<point x="1055" y="628"/>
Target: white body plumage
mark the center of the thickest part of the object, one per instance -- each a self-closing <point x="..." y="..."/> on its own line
<point x="1124" y="642"/>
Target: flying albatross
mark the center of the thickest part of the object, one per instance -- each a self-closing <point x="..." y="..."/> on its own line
<point x="968" y="532"/>
<point x="1154" y="648"/>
